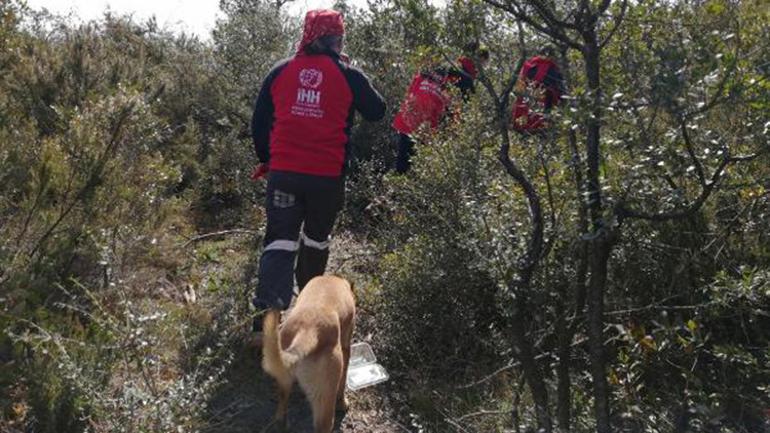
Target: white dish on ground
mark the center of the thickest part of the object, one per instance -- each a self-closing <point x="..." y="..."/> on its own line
<point x="363" y="370"/>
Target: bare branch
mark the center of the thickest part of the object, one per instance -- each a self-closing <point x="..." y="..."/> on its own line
<point x="603" y="7"/>
<point x="747" y="158"/>
<point x="719" y="94"/>
<point x="219" y="233"/>
<point x="707" y="185"/>
<point x="670" y="181"/>
<point x="519" y="14"/>
<point x="618" y="21"/>
<point x="94" y="176"/>
<point x="549" y="16"/>
<point x="551" y="201"/>
<point x="484" y="413"/>
<point x="585" y="10"/>
<point x="528" y="263"/>
<point x="514" y="364"/>
<point x="623" y="212"/>
<point x="690" y="151"/>
<point x="657" y="307"/>
<point x="535" y="247"/>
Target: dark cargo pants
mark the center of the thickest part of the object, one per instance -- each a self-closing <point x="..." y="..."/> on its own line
<point x="405" y="153"/>
<point x="293" y="199"/>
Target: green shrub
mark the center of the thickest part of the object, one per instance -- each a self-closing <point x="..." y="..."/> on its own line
<point x="439" y="296"/>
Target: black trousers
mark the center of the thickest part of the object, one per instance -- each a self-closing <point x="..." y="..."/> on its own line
<point x="405" y="153"/>
<point x="301" y="210"/>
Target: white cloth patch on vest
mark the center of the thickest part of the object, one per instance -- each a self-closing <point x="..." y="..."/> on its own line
<point x="282" y="199"/>
<point x="308" y="103"/>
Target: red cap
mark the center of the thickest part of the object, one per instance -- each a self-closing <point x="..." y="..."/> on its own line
<point x="319" y="23"/>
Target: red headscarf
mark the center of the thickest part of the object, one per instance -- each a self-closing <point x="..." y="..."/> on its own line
<point x="319" y="23"/>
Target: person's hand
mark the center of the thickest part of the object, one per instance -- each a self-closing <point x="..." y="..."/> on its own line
<point x="260" y="171"/>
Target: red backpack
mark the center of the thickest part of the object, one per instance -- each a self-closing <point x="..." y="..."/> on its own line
<point x="528" y="111"/>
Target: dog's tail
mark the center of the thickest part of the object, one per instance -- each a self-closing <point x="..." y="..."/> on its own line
<point x="275" y="361"/>
<point x="271" y="348"/>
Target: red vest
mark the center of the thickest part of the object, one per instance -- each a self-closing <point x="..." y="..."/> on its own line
<point x="528" y="113"/>
<point x="469" y="67"/>
<point x="426" y="101"/>
<point x="312" y="101"/>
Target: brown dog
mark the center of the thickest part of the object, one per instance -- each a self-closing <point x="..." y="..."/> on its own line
<point x="313" y="347"/>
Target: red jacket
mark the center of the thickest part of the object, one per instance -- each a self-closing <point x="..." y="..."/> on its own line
<point x="540" y="74"/>
<point x="304" y="112"/>
<point x="425" y="102"/>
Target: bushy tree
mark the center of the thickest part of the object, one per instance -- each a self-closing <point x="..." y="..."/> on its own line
<point x="612" y="274"/>
<point x="104" y="131"/>
<point x="642" y="173"/>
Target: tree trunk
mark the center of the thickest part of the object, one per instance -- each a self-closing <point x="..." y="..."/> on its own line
<point x="520" y="286"/>
<point x="600" y="252"/>
<point x="601" y="243"/>
<point x="566" y="331"/>
<point x="525" y="354"/>
<point x="564" y="401"/>
<point x="523" y="345"/>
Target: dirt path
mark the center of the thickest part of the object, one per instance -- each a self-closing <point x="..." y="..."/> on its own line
<point x="245" y="402"/>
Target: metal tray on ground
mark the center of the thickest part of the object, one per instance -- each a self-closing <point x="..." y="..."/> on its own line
<point x="363" y="369"/>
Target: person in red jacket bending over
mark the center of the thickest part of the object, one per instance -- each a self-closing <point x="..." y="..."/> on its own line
<point x="301" y="128"/>
<point x="426" y="102"/>
<point x="539" y="88"/>
<point x="464" y="78"/>
<point x="428" y="98"/>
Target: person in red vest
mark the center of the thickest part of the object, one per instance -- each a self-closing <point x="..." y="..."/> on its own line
<point x="539" y="88"/>
<point x="426" y="102"/>
<point x="301" y="131"/>
<point x="428" y="98"/>
<point x="465" y="78"/>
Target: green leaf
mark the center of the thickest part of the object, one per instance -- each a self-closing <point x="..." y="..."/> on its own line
<point x="716" y="7"/>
